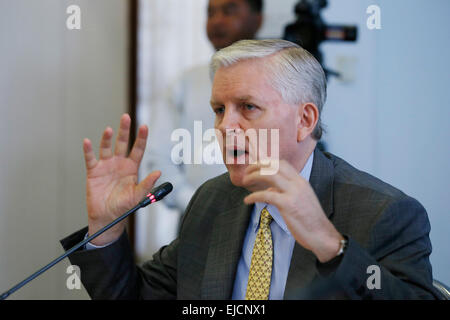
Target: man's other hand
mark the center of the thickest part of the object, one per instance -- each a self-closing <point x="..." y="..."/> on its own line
<point x="298" y="204"/>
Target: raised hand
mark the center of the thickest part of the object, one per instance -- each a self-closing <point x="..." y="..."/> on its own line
<point x="298" y="204"/>
<point x="112" y="186"/>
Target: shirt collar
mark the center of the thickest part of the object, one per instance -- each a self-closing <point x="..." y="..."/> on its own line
<point x="305" y="173"/>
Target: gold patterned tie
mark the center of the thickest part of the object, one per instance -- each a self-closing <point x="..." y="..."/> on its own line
<point x="261" y="266"/>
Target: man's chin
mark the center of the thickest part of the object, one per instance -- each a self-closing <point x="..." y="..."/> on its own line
<point x="221" y="43"/>
<point x="236" y="174"/>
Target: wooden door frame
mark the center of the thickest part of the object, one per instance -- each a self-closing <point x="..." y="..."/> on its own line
<point x="133" y="21"/>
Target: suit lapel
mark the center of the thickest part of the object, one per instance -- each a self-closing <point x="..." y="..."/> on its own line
<point x="303" y="263"/>
<point x="227" y="239"/>
<point x="321" y="180"/>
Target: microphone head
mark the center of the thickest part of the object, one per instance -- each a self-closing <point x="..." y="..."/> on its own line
<point x="162" y="190"/>
<point x="157" y="194"/>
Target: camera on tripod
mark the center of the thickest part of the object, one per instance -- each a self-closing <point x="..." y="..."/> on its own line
<point x="309" y="30"/>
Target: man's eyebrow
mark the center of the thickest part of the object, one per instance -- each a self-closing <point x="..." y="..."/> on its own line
<point x="212" y="102"/>
<point x="245" y="98"/>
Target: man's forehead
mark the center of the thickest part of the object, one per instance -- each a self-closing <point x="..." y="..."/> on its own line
<point x="247" y="80"/>
<point x="254" y="68"/>
<point x="238" y="77"/>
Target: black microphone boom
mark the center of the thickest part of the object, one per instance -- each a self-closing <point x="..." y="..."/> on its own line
<point x="155" y="195"/>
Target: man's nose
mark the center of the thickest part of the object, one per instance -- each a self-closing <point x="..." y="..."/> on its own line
<point x="229" y="121"/>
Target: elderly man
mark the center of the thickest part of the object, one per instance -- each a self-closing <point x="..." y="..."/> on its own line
<point x="317" y="227"/>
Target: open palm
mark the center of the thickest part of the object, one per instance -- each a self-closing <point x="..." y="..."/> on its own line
<point x="112" y="181"/>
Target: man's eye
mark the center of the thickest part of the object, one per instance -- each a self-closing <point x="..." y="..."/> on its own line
<point x="219" y="110"/>
<point x="229" y="9"/>
<point x="211" y="12"/>
<point x="249" y="107"/>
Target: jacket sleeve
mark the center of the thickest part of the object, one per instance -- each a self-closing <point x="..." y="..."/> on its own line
<point x="110" y="272"/>
<point x="395" y="265"/>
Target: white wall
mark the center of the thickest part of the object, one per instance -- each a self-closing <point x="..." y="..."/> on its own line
<point x="56" y="88"/>
<point x="413" y="111"/>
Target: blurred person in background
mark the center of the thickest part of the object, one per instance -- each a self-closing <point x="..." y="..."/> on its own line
<point x="187" y="100"/>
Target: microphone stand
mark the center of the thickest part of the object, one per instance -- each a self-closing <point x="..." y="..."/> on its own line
<point x="155" y="195"/>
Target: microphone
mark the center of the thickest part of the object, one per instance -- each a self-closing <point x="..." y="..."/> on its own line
<point x="155" y="194"/>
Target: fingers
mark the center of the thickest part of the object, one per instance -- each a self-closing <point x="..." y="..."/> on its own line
<point x="284" y="169"/>
<point x="122" y="141"/>
<point x="266" y="196"/>
<point x="105" y="144"/>
<point x="89" y="156"/>
<point x="123" y="136"/>
<point x="138" y="150"/>
<point x="258" y="181"/>
<point x="282" y="183"/>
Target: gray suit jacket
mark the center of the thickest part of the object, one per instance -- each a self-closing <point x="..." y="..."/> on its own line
<point x="384" y="227"/>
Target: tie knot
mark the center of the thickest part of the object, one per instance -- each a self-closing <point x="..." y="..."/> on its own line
<point x="266" y="218"/>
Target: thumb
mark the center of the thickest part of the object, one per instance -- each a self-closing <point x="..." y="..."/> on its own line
<point x="147" y="184"/>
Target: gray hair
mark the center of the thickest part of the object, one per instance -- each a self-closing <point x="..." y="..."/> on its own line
<point x="296" y="74"/>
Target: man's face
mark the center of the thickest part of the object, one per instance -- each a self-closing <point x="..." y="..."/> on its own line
<point x="230" y="21"/>
<point x="243" y="98"/>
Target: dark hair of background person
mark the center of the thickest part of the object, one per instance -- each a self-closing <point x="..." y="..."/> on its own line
<point x="256" y="5"/>
<point x="233" y="20"/>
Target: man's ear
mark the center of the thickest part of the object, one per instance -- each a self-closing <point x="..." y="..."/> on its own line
<point x="308" y="116"/>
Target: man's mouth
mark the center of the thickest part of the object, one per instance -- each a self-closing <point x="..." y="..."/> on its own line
<point x="238" y="153"/>
<point x="235" y="156"/>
